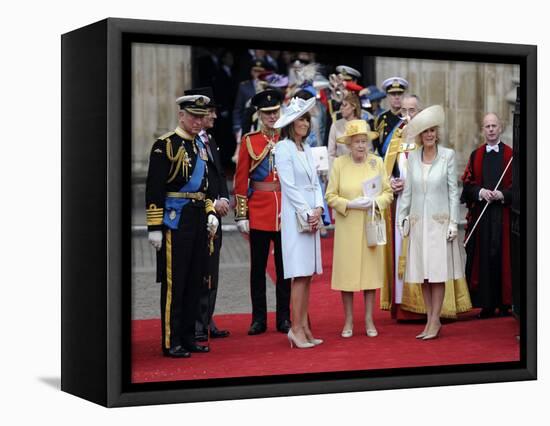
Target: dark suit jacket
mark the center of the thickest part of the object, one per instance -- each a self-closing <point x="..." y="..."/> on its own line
<point x="217" y="182"/>
<point x="245" y="92"/>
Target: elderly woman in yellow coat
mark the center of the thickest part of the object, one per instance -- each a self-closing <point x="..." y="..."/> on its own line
<point x="357" y="267"/>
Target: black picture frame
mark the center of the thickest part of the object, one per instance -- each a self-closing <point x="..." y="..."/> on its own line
<point x="95" y="185"/>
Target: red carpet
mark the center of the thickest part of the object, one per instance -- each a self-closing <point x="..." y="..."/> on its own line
<point x="466" y="341"/>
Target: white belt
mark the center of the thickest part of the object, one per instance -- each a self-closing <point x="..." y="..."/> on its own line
<point x="310" y="188"/>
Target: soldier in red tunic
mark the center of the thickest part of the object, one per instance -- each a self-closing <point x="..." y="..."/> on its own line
<point x="257" y="212"/>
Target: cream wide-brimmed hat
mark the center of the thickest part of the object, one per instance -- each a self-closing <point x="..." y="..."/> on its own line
<point x="356" y="127"/>
<point x="295" y="109"/>
<point x="427" y="118"/>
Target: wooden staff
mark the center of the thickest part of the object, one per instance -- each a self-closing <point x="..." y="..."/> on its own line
<point x="487" y="203"/>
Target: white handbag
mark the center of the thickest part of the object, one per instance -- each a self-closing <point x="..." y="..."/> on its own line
<point x="303" y="225"/>
<point x="376" y="228"/>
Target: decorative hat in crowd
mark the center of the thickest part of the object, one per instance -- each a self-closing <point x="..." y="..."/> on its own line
<point x="351" y="86"/>
<point x="194" y="104"/>
<point x="295" y="109"/>
<point x="395" y="85"/>
<point x="275" y="80"/>
<point x="348" y="73"/>
<point x="306" y="92"/>
<point x="426" y="119"/>
<point x="356" y="127"/>
<point x="375" y="94"/>
<point x="268" y="100"/>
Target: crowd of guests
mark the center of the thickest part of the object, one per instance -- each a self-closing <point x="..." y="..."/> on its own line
<point x="391" y="192"/>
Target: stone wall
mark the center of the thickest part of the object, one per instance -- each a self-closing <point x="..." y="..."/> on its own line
<point x="160" y="75"/>
<point x="465" y="89"/>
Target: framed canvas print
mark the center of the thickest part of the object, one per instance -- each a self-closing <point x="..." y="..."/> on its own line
<point x="205" y="256"/>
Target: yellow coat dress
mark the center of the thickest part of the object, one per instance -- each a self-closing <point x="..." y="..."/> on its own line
<point x="355" y="266"/>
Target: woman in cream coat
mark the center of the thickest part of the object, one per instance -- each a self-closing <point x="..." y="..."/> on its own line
<point x="357" y="267"/>
<point x="301" y="196"/>
<point x="428" y="214"/>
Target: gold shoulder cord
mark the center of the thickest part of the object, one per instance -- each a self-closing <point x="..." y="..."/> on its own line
<point x="251" y="151"/>
<point x="257" y="158"/>
<point x="379" y="126"/>
<point x="179" y="161"/>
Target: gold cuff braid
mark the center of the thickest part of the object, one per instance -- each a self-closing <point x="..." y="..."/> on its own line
<point x="209" y="206"/>
<point x="241" y="208"/>
<point x="154" y="215"/>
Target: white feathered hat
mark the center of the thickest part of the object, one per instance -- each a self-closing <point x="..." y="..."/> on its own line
<point x="295" y="109"/>
<point x="427" y="118"/>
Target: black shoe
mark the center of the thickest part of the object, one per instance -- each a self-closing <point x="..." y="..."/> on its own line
<point x="283" y="326"/>
<point x="193" y="347"/>
<point x="201" y="337"/>
<point x="257" y="328"/>
<point x="217" y="333"/>
<point x="177" y="352"/>
<point x="504" y="312"/>
<point x="486" y="313"/>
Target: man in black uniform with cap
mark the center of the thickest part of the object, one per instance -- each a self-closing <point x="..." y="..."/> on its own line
<point x="386" y="123"/>
<point x="180" y="214"/>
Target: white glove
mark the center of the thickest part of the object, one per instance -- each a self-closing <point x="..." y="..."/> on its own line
<point x="244" y="226"/>
<point x="452" y="231"/>
<point x="155" y="238"/>
<point x="360" y="203"/>
<point x="212" y="224"/>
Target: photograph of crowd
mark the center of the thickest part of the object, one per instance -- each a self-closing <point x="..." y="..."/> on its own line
<point x="270" y="187"/>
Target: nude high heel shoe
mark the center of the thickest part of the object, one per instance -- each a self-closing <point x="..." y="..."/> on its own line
<point x="432" y="335"/>
<point x="347" y="333"/>
<point x="315" y="341"/>
<point x="372" y="333"/>
<point x="294" y="342"/>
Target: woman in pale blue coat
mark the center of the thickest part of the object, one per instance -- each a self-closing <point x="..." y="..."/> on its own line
<point x="302" y="200"/>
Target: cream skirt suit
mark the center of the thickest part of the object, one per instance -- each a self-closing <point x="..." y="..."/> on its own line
<point x="430" y="201"/>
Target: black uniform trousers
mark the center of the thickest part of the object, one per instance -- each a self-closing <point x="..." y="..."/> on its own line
<point x="259" y="253"/>
<point x="183" y="258"/>
<point x="207" y="302"/>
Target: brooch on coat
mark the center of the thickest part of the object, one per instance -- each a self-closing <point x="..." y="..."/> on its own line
<point x="372" y="164"/>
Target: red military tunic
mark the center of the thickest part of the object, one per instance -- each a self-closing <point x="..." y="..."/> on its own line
<point x="261" y="206"/>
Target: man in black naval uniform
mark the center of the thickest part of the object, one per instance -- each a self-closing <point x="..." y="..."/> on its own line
<point x="386" y="123"/>
<point x="180" y="215"/>
<point x="217" y="185"/>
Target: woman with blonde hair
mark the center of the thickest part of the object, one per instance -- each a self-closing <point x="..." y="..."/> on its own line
<point x="356" y="266"/>
<point x="428" y="216"/>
